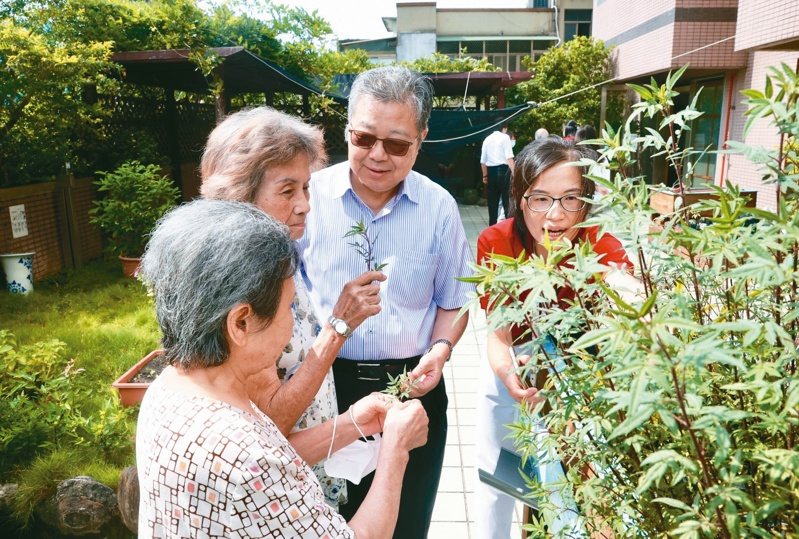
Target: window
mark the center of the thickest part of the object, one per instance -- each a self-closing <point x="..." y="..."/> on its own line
<point x="705" y="130"/>
<point x="541" y="3"/>
<point x="506" y="54"/>
<point x="448" y="47"/>
<point x="473" y="48"/>
<point x="576" y="22"/>
<point x="520" y="46"/>
<point x="497" y="47"/>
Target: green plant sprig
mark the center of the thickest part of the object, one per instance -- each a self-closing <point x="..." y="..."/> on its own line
<point x="364" y="248"/>
<point x="401" y="386"/>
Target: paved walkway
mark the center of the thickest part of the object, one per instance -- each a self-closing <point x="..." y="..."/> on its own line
<point x="453" y="516"/>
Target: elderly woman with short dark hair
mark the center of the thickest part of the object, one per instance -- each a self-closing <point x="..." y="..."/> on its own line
<point x="210" y="463"/>
<point x="265" y="157"/>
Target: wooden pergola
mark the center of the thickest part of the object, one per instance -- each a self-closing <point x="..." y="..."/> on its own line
<point x="239" y="71"/>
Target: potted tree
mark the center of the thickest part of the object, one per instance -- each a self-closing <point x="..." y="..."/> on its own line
<point x="134" y="197"/>
<point x="676" y="414"/>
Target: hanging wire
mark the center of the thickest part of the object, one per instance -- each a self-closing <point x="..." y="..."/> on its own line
<point x="534" y="104"/>
<point x="530" y="104"/>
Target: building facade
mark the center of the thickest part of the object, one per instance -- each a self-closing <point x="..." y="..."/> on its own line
<point x="505" y="36"/>
<point x="729" y="45"/>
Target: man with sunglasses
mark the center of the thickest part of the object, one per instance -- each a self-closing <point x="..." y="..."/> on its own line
<point x="414" y="229"/>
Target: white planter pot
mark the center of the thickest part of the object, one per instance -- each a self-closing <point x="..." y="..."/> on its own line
<point x="18" y="268"/>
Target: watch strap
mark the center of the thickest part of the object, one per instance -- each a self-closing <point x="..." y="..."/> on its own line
<point x="445" y="341"/>
<point x="337" y="323"/>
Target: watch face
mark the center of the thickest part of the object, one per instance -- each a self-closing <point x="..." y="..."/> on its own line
<point x="341" y="327"/>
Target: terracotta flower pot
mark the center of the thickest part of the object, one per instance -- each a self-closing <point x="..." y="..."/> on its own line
<point x="131" y="391"/>
<point x="130" y="266"/>
<point x="665" y="200"/>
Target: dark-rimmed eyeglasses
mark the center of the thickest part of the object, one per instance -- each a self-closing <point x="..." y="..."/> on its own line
<point x="392" y="146"/>
<point x="543" y="203"/>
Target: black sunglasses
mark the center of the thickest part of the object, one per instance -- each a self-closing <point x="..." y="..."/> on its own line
<point x="392" y="146"/>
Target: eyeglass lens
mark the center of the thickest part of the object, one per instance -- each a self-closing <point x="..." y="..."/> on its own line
<point x="542" y="203"/>
<point x="392" y="146"/>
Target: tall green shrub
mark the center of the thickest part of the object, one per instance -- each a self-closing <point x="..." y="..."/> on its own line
<point x="133" y="198"/>
<point x="676" y="414"/>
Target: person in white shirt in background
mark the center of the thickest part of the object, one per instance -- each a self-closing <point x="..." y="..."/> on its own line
<point x="496" y="162"/>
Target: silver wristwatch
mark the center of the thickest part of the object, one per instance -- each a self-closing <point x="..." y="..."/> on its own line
<point x="339" y="326"/>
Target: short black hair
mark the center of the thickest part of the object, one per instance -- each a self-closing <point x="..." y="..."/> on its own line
<point x="570" y="129"/>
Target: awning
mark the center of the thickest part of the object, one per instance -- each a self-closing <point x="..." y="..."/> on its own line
<point x="241" y="72"/>
<point x="476" y="83"/>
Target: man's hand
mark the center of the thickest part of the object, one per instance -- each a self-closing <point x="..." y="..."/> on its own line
<point x="359" y="299"/>
<point x="428" y="372"/>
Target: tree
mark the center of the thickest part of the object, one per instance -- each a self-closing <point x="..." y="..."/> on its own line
<point x="52" y="51"/>
<point x="41" y="90"/>
<point x="575" y="65"/>
<point x="677" y="412"/>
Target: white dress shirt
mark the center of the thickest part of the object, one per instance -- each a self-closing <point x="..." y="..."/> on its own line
<point x="497" y="149"/>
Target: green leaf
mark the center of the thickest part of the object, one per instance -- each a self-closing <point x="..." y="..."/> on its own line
<point x="677" y="504"/>
<point x="632" y="422"/>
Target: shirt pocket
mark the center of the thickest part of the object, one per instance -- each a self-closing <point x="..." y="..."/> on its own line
<point x="411" y="280"/>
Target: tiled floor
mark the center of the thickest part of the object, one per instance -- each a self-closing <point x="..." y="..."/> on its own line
<point x="453" y="516"/>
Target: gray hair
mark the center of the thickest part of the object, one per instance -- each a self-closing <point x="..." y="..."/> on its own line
<point x="203" y="259"/>
<point x="395" y="84"/>
<point x="242" y="148"/>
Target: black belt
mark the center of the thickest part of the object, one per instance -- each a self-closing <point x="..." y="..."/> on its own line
<point x="377" y="370"/>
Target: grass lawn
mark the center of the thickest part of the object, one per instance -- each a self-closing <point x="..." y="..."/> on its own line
<point x="59" y="416"/>
<point x="106" y="320"/>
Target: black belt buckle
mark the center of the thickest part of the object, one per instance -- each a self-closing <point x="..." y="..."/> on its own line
<point x="369" y="372"/>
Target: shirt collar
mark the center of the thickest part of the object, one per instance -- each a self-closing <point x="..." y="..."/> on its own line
<point x="341" y="184"/>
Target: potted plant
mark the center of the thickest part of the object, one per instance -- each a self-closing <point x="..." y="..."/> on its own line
<point x="135" y="381"/>
<point x="134" y="197"/>
<point x="676" y="414"/>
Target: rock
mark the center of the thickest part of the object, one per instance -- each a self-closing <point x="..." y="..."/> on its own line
<point x="128" y="498"/>
<point x="7" y="493"/>
<point x="80" y="506"/>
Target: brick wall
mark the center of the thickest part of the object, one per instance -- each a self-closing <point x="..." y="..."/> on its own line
<point x="652" y="37"/>
<point x="90" y="241"/>
<point x="613" y="17"/>
<point x="766" y="22"/>
<point x="43" y="227"/>
<point x="689" y="36"/>
<point x="638" y="57"/>
<point x="739" y="170"/>
<point x="57" y="242"/>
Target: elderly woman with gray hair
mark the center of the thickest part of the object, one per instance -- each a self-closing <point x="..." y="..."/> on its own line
<point x="265" y="157"/>
<point x="210" y="463"/>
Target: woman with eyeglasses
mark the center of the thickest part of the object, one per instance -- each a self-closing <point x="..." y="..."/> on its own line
<point x="550" y="196"/>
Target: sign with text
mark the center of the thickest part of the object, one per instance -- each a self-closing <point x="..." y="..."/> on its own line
<point x="19" y="224"/>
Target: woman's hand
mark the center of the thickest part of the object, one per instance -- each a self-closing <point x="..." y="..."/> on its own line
<point x="359" y="299"/>
<point x="406" y="425"/>
<point x="370" y="412"/>
<point x="518" y="391"/>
